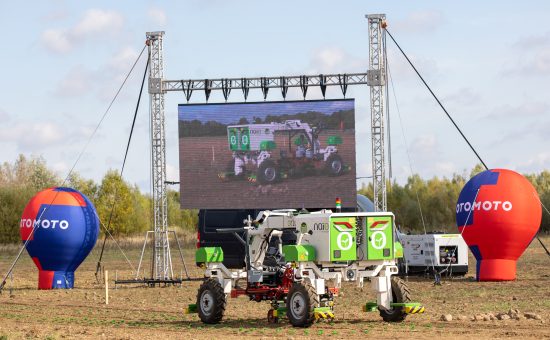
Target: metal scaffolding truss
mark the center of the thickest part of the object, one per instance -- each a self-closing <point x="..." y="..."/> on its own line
<point x="188" y="86"/>
<point x="377" y="81"/>
<point x="161" y="268"/>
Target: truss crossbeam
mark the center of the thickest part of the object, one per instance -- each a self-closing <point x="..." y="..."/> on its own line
<point x="225" y="85"/>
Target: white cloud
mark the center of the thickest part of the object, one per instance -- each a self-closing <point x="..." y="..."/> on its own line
<point x="75" y="83"/>
<point x="101" y="81"/>
<point x="336" y="60"/>
<point x="537" y="162"/>
<point x="32" y="137"/>
<point x="172" y="173"/>
<point x="463" y="97"/>
<point x="94" y="24"/>
<point x="56" y="40"/>
<point x="541" y="62"/>
<point x="529" y="108"/>
<point x="445" y="168"/>
<point x="399" y="68"/>
<point x="60" y="167"/>
<point x="423" y="145"/>
<point x="534" y="58"/>
<point x="98" y="21"/>
<point x="123" y="59"/>
<point x="530" y="64"/>
<point x="157" y="16"/>
<point x="418" y="22"/>
<point x="533" y="41"/>
<point x="4" y="116"/>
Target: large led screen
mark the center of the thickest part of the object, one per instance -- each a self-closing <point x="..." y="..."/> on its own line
<point x="267" y="155"/>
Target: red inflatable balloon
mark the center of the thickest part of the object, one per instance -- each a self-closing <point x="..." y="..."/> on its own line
<point x="498" y="213"/>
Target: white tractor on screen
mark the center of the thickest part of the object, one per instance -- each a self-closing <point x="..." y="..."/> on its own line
<point x="301" y="281"/>
<point x="253" y="146"/>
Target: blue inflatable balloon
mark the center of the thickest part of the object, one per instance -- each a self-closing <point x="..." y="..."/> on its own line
<point x="61" y="225"/>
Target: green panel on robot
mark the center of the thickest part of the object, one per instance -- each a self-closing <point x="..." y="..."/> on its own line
<point x="380" y="244"/>
<point x="239" y="139"/>
<point x="301" y="253"/>
<point x="334" y="140"/>
<point x="233" y="139"/>
<point x="267" y="145"/>
<point x="245" y="139"/>
<point x="342" y="239"/>
<point x="209" y="254"/>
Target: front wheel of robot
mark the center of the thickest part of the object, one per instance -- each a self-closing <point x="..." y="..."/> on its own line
<point x="268" y="172"/>
<point x="301" y="301"/>
<point x="334" y="165"/>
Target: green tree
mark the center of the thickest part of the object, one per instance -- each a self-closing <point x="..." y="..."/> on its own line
<point x="19" y="182"/>
<point x="115" y="204"/>
<point x="477" y="169"/>
<point x="185" y="219"/>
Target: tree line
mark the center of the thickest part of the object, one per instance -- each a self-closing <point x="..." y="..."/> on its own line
<point x="19" y="181"/>
<point x="336" y="120"/>
<point x="132" y="213"/>
<point x="432" y="203"/>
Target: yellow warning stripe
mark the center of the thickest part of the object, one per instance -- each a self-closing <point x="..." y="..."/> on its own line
<point x="324" y="315"/>
<point x="414" y="310"/>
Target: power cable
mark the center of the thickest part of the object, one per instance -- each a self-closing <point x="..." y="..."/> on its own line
<point x="448" y="115"/>
<point x="548" y="212"/>
<point x="115" y="197"/>
<point x="409" y="159"/>
<point x="390" y="167"/>
<point x="437" y="100"/>
<point x="107" y="110"/>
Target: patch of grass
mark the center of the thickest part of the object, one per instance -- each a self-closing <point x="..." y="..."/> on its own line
<point x="320" y="332"/>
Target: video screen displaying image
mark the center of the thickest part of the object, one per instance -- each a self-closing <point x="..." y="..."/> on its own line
<point x="267" y="155"/>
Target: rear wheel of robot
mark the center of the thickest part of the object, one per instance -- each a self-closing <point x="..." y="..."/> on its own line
<point x="211" y="301"/>
<point x="400" y="294"/>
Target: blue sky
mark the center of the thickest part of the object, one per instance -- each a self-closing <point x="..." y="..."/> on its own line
<point x="488" y="61"/>
<point x="231" y="113"/>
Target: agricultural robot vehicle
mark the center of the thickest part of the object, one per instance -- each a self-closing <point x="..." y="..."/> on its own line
<point x="300" y="281"/>
<point x="253" y="146"/>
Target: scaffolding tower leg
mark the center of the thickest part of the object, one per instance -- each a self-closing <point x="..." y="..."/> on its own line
<point x="181" y="253"/>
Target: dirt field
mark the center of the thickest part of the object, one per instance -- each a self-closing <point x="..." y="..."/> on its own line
<point x="202" y="159"/>
<point x="139" y="312"/>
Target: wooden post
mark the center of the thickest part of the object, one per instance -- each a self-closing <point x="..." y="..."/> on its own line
<point x="106" y="287"/>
